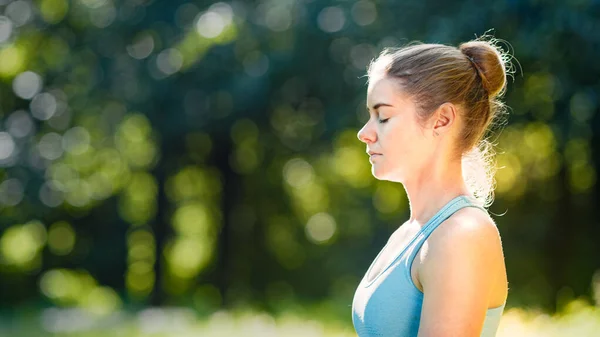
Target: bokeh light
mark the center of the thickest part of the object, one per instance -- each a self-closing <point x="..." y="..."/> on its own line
<point x="61" y="238"/>
<point x="331" y="19"/>
<point x="192" y="168"/>
<point x="20" y="245"/>
<point x="320" y="228"/>
<point x="364" y="12"/>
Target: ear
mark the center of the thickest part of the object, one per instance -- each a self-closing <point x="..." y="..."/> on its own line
<point x="445" y="115"/>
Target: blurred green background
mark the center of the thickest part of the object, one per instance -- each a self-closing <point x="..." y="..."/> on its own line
<point x="192" y="168"/>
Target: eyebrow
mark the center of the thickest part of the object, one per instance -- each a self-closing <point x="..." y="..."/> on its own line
<point x="378" y="105"/>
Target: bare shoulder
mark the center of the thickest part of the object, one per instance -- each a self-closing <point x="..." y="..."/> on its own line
<point x="470" y="226"/>
<point x="462" y="274"/>
<point x="467" y="239"/>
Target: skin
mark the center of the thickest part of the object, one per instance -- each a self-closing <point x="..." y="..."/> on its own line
<point x="460" y="267"/>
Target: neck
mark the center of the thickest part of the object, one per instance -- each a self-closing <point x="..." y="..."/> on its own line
<point x="434" y="187"/>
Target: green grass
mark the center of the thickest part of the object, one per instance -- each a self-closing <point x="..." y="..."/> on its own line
<point x="578" y="319"/>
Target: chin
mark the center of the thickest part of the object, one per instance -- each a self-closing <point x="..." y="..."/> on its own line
<point x="380" y="174"/>
<point x="386" y="175"/>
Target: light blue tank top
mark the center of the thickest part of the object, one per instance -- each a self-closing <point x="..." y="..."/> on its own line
<point x="390" y="304"/>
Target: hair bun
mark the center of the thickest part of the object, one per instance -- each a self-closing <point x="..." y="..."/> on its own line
<point x="490" y="65"/>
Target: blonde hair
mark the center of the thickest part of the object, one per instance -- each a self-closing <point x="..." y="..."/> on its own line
<point x="472" y="76"/>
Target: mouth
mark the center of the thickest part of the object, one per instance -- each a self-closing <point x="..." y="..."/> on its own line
<point x="373" y="155"/>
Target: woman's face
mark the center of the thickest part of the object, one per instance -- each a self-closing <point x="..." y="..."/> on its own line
<point x="401" y="144"/>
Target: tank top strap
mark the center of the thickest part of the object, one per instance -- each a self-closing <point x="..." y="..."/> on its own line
<point x="444" y="213"/>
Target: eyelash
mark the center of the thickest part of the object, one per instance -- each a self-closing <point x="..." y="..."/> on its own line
<point x="380" y="121"/>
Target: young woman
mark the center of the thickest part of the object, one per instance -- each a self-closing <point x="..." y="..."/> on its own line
<point x="442" y="272"/>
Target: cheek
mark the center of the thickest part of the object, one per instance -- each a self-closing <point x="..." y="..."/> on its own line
<point x="398" y="141"/>
<point x="404" y="146"/>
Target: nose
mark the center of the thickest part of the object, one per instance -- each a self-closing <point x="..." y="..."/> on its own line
<point x="367" y="134"/>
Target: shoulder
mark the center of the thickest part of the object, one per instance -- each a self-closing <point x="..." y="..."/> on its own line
<point x="460" y="274"/>
<point x="469" y="226"/>
<point x="467" y="239"/>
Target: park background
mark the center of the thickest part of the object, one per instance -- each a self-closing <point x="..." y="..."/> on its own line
<point x="192" y="167"/>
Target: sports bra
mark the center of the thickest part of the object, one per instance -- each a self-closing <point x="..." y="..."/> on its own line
<point x="390" y="304"/>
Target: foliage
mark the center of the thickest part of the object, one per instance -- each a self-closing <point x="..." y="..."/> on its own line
<point x="157" y="152"/>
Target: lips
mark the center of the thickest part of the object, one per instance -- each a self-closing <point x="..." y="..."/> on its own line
<point x="373" y="155"/>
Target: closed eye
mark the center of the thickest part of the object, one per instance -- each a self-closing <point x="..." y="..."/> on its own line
<point x="383" y="120"/>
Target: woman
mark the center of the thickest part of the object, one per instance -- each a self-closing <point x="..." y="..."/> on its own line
<point x="442" y="272"/>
